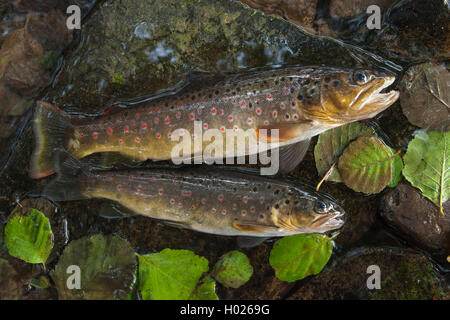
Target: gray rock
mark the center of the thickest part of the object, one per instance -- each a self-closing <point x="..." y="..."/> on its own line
<point x="417" y="218"/>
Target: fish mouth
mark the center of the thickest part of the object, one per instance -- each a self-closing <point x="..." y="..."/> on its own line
<point x="336" y="221"/>
<point x="326" y="223"/>
<point x="378" y="100"/>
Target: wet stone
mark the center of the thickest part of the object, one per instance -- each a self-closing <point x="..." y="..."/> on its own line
<point x="405" y="274"/>
<point x="417" y="218"/>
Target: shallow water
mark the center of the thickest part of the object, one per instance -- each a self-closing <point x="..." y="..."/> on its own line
<point x="127" y="51"/>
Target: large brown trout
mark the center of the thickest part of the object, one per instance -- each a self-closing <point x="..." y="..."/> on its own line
<point x="300" y="102"/>
<point x="210" y="200"/>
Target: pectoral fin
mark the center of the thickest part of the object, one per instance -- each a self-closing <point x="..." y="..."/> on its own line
<point x="291" y="155"/>
<point x="282" y="131"/>
<point x="250" y="242"/>
<point x="252" y="227"/>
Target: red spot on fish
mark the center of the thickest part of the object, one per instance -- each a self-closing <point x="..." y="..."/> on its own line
<point x="245" y="199"/>
<point x="286" y="91"/>
<point x="213" y="210"/>
<point x="95" y="135"/>
<point x="258" y="111"/>
<point x="274" y="114"/>
<point x="203" y="201"/>
<point x="138" y="140"/>
<point x="205" y="126"/>
<point x="230" y="118"/>
<point x="244" y="212"/>
<point x="283" y="106"/>
<point x="178" y="115"/>
<point x="144" y="126"/>
<point x="252" y="209"/>
<point x="131" y="177"/>
<point x="161" y="191"/>
<point x="139" y="188"/>
<point x="295" y="116"/>
<point x="249" y="121"/>
<point x="243" y="104"/>
<point x="192" y="116"/>
<point x="137" y="115"/>
<point x="118" y="119"/>
<point x="221" y="197"/>
<point x="158" y="135"/>
<point x="214" y="111"/>
<point x="167" y="121"/>
<point x="133" y="123"/>
<point x="224" y="212"/>
<point x="156" y="120"/>
<point x="157" y="110"/>
<point x="180" y="104"/>
<point x="119" y="187"/>
<point x="187" y="193"/>
<point x="180" y="205"/>
<point x="261" y="200"/>
<point x="266" y="122"/>
<point x="235" y="128"/>
<point x="234" y="206"/>
<point x="120" y="141"/>
<point x="222" y="112"/>
<point x="172" y="201"/>
<point x="222" y="129"/>
<point x="192" y="207"/>
<point x="110" y="131"/>
<point x="234" y="101"/>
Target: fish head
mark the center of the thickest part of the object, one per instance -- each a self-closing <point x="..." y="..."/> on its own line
<point x="335" y="97"/>
<point x="297" y="212"/>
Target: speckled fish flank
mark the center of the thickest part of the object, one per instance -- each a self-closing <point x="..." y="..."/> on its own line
<point x="216" y="201"/>
<point x="300" y="102"/>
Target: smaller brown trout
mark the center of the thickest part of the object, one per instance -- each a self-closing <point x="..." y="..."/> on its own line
<point x="296" y="102"/>
<point x="215" y="201"/>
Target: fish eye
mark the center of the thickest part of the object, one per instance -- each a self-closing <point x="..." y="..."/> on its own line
<point x="360" y="77"/>
<point x="320" y="207"/>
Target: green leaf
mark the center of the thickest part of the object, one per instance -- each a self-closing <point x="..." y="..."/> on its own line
<point x="366" y="165"/>
<point x="29" y="237"/>
<point x="10" y="286"/>
<point x="296" y="257"/>
<point x="332" y="143"/>
<point x="233" y="269"/>
<point x="107" y="266"/>
<point x="170" y="274"/>
<point x="396" y="171"/>
<point x="427" y="165"/>
<point x="206" y="290"/>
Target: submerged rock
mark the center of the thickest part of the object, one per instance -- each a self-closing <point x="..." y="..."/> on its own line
<point x="28" y="57"/>
<point x="132" y="49"/>
<point x="405" y="274"/>
<point x="410" y="30"/>
<point x="416" y="218"/>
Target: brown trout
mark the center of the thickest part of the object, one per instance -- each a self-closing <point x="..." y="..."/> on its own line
<point x="209" y="200"/>
<point x="300" y="102"/>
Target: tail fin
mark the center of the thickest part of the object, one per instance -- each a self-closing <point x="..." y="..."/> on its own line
<point x="51" y="127"/>
<point x="67" y="185"/>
